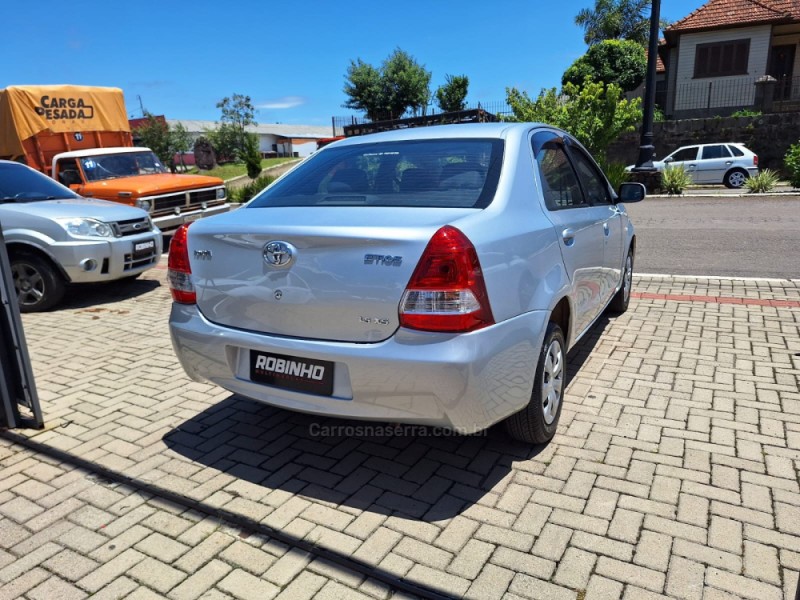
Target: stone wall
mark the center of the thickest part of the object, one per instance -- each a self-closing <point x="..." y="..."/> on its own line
<point x="769" y="136"/>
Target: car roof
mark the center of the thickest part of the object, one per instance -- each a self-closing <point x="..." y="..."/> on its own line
<point x="438" y="132"/>
<point x="99" y="151"/>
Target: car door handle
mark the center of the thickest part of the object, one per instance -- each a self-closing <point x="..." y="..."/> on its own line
<point x="605" y="229"/>
<point x="728" y="162"/>
<point x="568" y="235"/>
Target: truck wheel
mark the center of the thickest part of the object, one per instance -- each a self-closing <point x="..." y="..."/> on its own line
<point x="38" y="284"/>
<point x="537" y="422"/>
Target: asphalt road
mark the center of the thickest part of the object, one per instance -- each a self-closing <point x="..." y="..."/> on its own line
<point x="725" y="236"/>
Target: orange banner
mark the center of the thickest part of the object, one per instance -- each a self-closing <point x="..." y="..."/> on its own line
<point x="26" y="110"/>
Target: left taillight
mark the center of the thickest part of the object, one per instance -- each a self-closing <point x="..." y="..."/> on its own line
<point x="180" y="271"/>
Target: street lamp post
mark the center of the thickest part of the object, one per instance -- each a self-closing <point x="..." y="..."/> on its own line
<point x="646" y="148"/>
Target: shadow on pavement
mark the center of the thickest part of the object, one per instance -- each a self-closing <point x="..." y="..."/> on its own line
<point x="95" y="294"/>
<point x="408" y="471"/>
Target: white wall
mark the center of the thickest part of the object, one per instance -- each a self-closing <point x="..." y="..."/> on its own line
<point x="693" y="93"/>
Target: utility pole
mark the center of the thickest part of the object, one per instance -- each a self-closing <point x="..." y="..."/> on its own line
<point x="141" y="106"/>
<point x="646" y="149"/>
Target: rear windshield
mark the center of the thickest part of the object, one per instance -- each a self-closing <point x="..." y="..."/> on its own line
<point x="459" y="173"/>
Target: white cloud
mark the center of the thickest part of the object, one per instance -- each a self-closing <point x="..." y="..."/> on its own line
<point x="282" y="103"/>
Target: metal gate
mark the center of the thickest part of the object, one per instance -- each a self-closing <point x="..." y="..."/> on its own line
<point x="19" y="402"/>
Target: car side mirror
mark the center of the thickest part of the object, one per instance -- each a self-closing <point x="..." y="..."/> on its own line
<point x="668" y="159"/>
<point x="631" y="191"/>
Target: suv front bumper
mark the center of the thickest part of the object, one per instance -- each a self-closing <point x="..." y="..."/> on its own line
<point x="106" y="259"/>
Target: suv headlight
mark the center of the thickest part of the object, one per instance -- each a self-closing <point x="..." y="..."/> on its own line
<point x="221" y="193"/>
<point x="86" y="228"/>
<point x="144" y="205"/>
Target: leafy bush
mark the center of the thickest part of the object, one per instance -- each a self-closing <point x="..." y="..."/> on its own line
<point x="616" y="173"/>
<point x="674" y="179"/>
<point x="762" y="183"/>
<point x="792" y="162"/>
<point x="747" y="113"/>
<point x="246" y="192"/>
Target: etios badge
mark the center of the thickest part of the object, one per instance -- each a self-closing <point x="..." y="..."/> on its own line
<point x="279" y="254"/>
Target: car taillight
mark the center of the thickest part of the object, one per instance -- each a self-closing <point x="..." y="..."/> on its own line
<point x="180" y="271"/>
<point x="755" y="160"/>
<point x="447" y="291"/>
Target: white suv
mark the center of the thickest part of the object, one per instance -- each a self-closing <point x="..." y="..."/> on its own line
<point x="727" y="163"/>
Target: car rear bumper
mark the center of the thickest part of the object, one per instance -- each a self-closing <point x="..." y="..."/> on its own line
<point x="106" y="260"/>
<point x="465" y="382"/>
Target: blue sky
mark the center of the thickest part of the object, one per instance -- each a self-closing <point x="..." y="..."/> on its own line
<point x="289" y="57"/>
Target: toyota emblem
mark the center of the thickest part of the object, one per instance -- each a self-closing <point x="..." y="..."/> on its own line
<point x="279" y="254"/>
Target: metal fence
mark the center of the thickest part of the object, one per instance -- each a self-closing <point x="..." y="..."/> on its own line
<point x="499" y="108"/>
<point x="730" y="94"/>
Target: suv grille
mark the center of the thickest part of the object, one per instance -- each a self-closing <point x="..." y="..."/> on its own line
<point x="131" y="227"/>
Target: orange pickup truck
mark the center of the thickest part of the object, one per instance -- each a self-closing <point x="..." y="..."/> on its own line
<point x="80" y="136"/>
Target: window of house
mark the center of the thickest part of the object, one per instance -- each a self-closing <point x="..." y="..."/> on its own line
<point x="722" y="59"/>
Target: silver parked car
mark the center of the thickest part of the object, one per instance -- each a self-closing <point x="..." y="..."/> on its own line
<point x="728" y="164"/>
<point x="431" y="276"/>
<point x="54" y="237"/>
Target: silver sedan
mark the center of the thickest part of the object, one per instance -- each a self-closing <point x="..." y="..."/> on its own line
<point x="431" y="276"/>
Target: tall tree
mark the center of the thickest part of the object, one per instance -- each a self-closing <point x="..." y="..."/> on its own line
<point x="237" y="112"/>
<point x="452" y="95"/>
<point x="180" y="140"/>
<point x="623" y="62"/>
<point x="616" y="20"/>
<point x="401" y="84"/>
<point x="154" y="134"/>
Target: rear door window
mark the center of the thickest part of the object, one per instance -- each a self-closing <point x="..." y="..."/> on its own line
<point x="451" y="173"/>
<point x="559" y="181"/>
<point x="718" y="151"/>
<point x="594" y="184"/>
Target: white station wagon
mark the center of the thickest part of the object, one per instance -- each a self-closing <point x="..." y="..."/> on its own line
<point x="431" y="276"/>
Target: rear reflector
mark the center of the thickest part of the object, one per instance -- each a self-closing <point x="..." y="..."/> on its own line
<point x="180" y="271"/>
<point x="447" y="291"/>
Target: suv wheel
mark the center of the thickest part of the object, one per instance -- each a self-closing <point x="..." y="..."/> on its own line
<point x="735" y="178"/>
<point x="537" y="422"/>
<point x="38" y="285"/>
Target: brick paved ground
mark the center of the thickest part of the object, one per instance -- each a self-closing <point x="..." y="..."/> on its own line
<point x="674" y="473"/>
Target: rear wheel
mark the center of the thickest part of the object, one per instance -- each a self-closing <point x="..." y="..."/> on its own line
<point x="619" y="303"/>
<point x="38" y="284"/>
<point x="735" y="179"/>
<point x="537" y="422"/>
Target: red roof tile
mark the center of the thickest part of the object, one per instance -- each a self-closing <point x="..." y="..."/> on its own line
<point x="720" y="14"/>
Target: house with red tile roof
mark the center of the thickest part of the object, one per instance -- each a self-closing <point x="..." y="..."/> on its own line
<point x="715" y="56"/>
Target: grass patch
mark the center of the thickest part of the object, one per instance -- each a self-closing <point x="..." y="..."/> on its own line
<point x="231" y="170"/>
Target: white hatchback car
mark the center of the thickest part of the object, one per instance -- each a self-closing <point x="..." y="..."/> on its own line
<point x="432" y="275"/>
<point x="728" y="163"/>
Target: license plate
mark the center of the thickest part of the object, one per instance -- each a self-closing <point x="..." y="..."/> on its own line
<point x="292" y="373"/>
<point x="143" y="248"/>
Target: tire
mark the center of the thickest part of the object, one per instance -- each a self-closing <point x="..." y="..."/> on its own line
<point x="537" y="422"/>
<point x="735" y="178"/>
<point x="619" y="303"/>
<point x="38" y="284"/>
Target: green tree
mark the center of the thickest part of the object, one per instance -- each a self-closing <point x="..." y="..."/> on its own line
<point x="452" y="95"/>
<point x="616" y="20"/>
<point x="225" y="140"/>
<point x="401" y="84"/>
<point x="595" y="113"/>
<point x="252" y="156"/>
<point x="238" y="113"/>
<point x="154" y="134"/>
<point x="180" y="140"/>
<point x="623" y="62"/>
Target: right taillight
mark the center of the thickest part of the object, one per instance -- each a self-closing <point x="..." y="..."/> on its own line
<point x="180" y="271"/>
<point x="755" y="160"/>
<point x="447" y="291"/>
